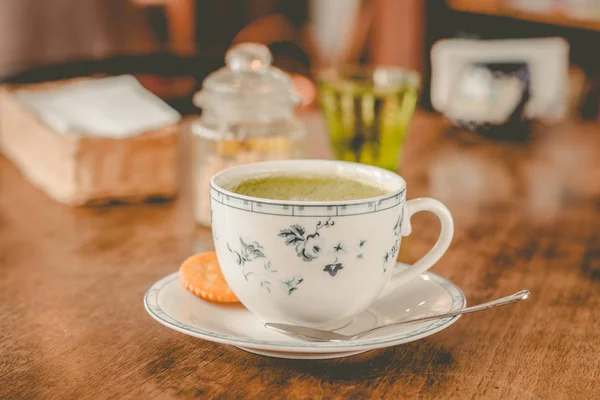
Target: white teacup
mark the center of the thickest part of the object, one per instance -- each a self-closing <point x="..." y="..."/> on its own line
<point x="312" y="263"/>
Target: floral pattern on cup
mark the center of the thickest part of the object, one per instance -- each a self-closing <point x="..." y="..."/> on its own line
<point x="251" y="251"/>
<point x="312" y="246"/>
<point x="398" y="225"/>
<point x="291" y="285"/>
<point x="333" y="268"/>
<point x="308" y="247"/>
<point x="392" y="254"/>
<point x="288" y="286"/>
<point x="248" y="252"/>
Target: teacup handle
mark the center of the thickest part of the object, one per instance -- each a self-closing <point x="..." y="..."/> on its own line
<point x="436" y="252"/>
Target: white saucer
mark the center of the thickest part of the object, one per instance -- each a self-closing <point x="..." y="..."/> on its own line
<point x="173" y="306"/>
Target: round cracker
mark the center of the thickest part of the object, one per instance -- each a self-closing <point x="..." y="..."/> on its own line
<point x="201" y="275"/>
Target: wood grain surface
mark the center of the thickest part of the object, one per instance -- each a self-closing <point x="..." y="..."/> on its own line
<point x="72" y="322"/>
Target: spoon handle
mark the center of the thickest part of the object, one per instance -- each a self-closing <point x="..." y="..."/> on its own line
<point x="522" y="295"/>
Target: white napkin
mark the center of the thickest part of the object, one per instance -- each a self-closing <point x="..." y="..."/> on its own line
<point x="115" y="107"/>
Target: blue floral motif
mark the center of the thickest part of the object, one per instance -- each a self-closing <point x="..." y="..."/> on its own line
<point x="269" y="268"/>
<point x="252" y="251"/>
<point x="266" y="285"/>
<point x="398" y="225"/>
<point x="338" y="248"/>
<point x="291" y="285"/>
<point x="312" y="247"/>
<point x="393" y="253"/>
<point x="308" y="247"/>
<point x="333" y="268"/>
<point x="395" y="248"/>
<point x="247" y="253"/>
<point x="386" y="258"/>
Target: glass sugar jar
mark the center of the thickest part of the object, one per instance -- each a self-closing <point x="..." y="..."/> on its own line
<point x="247" y="116"/>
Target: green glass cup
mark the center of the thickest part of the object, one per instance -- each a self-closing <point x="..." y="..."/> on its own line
<point x="367" y="111"/>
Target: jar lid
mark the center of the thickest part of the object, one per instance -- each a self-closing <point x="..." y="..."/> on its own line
<point x="248" y="77"/>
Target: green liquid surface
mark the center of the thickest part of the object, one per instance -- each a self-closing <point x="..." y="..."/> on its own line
<point x="316" y="188"/>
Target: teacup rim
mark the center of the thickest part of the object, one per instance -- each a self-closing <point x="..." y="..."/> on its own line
<point x="393" y="193"/>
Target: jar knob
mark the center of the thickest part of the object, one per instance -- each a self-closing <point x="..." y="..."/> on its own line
<point x="249" y="57"/>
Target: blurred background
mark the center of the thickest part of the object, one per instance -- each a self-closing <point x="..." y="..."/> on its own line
<point x="493" y="69"/>
<point x="171" y="45"/>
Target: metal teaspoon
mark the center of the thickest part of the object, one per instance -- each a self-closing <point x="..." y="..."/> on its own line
<point x="304" y="333"/>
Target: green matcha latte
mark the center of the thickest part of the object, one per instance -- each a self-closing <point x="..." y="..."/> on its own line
<point x="310" y="188"/>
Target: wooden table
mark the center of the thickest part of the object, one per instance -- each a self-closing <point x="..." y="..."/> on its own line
<point x="527" y="216"/>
